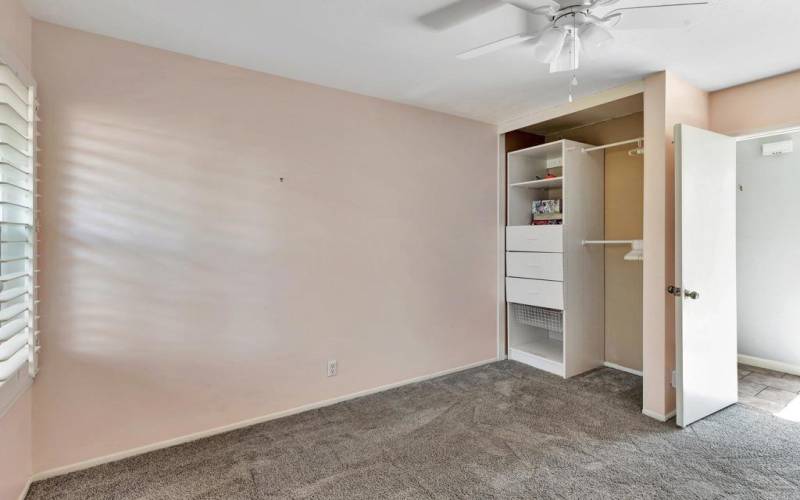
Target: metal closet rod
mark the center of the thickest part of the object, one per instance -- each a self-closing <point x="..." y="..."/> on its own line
<point x="613" y="144"/>
<point x="608" y="242"/>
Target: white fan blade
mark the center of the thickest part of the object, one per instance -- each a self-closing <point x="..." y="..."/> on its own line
<point x="549" y="45"/>
<point x="603" y="3"/>
<point x="538" y="7"/>
<point x="496" y="45"/>
<point x="675" y="15"/>
<point x="458" y="12"/>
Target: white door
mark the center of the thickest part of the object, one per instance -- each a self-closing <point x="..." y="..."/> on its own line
<point x="705" y="273"/>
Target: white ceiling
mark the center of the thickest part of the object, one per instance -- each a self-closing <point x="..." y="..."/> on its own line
<point x="378" y="48"/>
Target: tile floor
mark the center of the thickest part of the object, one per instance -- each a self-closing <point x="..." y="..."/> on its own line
<point x="775" y="392"/>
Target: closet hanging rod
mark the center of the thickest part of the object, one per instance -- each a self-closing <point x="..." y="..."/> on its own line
<point x="613" y="144"/>
<point x="637" y="247"/>
<point x="608" y="242"/>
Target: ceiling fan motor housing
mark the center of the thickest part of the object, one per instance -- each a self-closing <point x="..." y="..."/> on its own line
<point x="566" y="4"/>
<point x="567" y="20"/>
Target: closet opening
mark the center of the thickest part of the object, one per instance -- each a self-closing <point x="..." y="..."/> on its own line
<point x="767" y="272"/>
<point x="573" y="188"/>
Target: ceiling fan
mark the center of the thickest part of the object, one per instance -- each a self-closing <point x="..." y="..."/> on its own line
<point x="571" y="24"/>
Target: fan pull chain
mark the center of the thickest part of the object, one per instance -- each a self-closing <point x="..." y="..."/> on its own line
<point x="573" y="49"/>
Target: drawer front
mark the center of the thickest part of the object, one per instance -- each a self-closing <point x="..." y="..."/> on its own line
<point x="534" y="238"/>
<point x="535" y="292"/>
<point x="543" y="266"/>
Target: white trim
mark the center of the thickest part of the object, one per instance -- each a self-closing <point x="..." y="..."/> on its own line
<point x="25" y="489"/>
<point x="609" y="364"/>
<point x="769" y="364"/>
<point x="586" y="102"/>
<point x="58" y="471"/>
<point x="769" y="133"/>
<point x="658" y="416"/>
<point x="501" y="247"/>
<point x="13" y="389"/>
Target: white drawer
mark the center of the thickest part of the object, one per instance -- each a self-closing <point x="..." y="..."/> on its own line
<point x="534" y="238"/>
<point x="540" y="293"/>
<point x="543" y="266"/>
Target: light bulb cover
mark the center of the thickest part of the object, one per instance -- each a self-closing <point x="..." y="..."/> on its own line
<point x="549" y="45"/>
<point x="569" y="57"/>
<point x="595" y="35"/>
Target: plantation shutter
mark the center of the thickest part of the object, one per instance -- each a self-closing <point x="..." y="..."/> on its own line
<point x="18" y="334"/>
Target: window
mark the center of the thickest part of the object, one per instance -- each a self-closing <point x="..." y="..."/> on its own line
<point x="18" y="334"/>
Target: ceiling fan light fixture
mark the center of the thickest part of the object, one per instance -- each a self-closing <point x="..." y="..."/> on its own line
<point x="568" y="58"/>
<point x="595" y="35"/>
<point x="549" y="45"/>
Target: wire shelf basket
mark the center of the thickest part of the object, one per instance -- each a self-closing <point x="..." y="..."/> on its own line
<point x="551" y="320"/>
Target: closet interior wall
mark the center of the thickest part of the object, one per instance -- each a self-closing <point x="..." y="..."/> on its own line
<point x="624" y="215"/>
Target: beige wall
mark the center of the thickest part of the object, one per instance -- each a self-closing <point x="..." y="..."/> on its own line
<point x="759" y="106"/>
<point x="184" y="287"/>
<point x="15" y="423"/>
<point x="624" y="176"/>
<point x="668" y="101"/>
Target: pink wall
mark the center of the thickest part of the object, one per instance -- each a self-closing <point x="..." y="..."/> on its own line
<point x="668" y="101"/>
<point x="184" y="287"/>
<point x="758" y="106"/>
<point x="15" y="448"/>
<point x="15" y="423"/>
<point x="654" y="265"/>
<point x="15" y="31"/>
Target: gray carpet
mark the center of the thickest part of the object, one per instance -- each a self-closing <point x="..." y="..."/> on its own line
<point x="500" y="431"/>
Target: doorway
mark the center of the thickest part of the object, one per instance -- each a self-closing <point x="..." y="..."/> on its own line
<point x="768" y="270"/>
<point x="736" y="256"/>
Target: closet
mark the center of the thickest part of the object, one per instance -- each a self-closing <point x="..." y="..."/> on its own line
<point x="573" y="249"/>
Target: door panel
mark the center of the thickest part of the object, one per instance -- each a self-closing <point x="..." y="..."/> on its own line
<point x="705" y="271"/>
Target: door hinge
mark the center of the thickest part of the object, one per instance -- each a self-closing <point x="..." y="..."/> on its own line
<point x="674" y="379"/>
<point x="674" y="290"/>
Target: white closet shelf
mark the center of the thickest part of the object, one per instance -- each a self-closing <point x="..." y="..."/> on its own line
<point x="548" y="150"/>
<point x="543" y="353"/>
<point x="547" y="348"/>
<point x="553" y="182"/>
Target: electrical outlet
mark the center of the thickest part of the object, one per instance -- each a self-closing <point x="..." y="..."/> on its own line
<point x="332" y="368"/>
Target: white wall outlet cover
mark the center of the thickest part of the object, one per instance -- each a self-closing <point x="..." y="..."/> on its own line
<point x="332" y="368"/>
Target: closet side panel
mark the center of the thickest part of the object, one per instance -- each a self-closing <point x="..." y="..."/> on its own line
<point x="584" y="343"/>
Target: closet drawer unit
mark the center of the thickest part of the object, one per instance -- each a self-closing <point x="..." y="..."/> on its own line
<point x="534" y="238"/>
<point x="540" y="293"/>
<point x="543" y="266"/>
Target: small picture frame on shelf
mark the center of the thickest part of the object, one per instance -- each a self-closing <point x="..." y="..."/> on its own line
<point x="546" y="207"/>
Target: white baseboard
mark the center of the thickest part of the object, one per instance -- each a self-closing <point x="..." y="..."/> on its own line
<point x="86" y="464"/>
<point x="621" y="368"/>
<point x="658" y="416"/>
<point x="768" y="364"/>
<point x="25" y="489"/>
